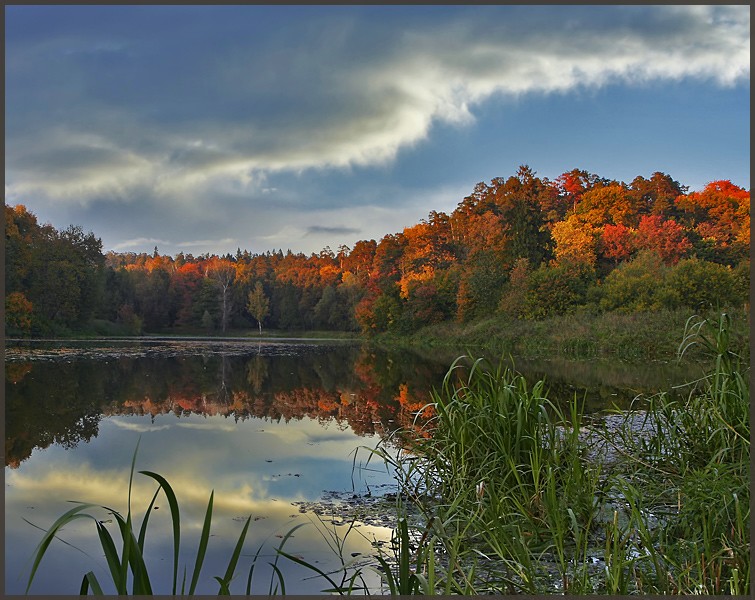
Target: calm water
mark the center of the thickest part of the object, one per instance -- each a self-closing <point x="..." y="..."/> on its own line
<point x="269" y="426"/>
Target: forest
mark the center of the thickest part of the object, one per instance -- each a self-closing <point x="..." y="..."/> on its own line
<point x="524" y="247"/>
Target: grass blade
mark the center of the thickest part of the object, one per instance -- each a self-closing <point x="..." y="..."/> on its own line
<point x="90" y="580"/>
<point x="317" y="570"/>
<point x="111" y="553"/>
<point x="44" y="544"/>
<point x="175" y="518"/>
<point x="226" y="581"/>
<point x="202" y="545"/>
<point x="280" y="578"/>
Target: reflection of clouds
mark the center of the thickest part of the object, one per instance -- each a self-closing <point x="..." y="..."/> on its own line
<point x="201" y="455"/>
<point x="40" y="499"/>
<point x="140" y="427"/>
<point x="210" y="426"/>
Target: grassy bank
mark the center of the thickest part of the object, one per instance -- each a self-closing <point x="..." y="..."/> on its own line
<point x="518" y="496"/>
<point x="631" y="337"/>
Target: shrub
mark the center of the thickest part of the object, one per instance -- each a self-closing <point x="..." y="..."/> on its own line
<point x="700" y="284"/>
<point x="638" y="285"/>
<point x="557" y="289"/>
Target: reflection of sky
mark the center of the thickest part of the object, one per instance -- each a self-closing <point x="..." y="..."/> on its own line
<point x="256" y="467"/>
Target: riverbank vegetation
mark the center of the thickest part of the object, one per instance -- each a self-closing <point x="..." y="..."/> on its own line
<point x="520" y="495"/>
<point x="516" y="252"/>
<point x="641" y="336"/>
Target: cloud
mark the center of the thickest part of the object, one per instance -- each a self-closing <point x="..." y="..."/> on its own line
<point x="206" y="243"/>
<point x="319" y="229"/>
<point x="208" y="109"/>
<point x="139" y="426"/>
<point x="138" y="243"/>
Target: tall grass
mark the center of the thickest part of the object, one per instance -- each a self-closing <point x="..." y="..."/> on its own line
<point x="690" y="473"/>
<point x="506" y="473"/>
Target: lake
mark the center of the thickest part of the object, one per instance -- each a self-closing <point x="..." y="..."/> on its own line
<point x="277" y="428"/>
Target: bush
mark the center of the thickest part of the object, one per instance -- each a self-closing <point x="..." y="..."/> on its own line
<point x="557" y="289"/>
<point x="638" y="285"/>
<point x="700" y="284"/>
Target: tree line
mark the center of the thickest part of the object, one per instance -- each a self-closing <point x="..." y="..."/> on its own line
<point x="523" y="246"/>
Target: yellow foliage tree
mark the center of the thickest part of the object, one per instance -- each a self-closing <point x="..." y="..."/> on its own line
<point x="576" y="240"/>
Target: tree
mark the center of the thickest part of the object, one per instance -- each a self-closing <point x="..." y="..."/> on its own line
<point x="222" y="273"/>
<point x="556" y="288"/>
<point x="18" y="312"/>
<point x="666" y="237"/>
<point x="608" y="204"/>
<point x="719" y="217"/>
<point x="516" y="289"/>
<point x="258" y="304"/>
<point x="60" y="273"/>
<point x="576" y="240"/>
<point x="656" y="195"/>
<point x="616" y="243"/>
<point x="700" y="284"/>
<point x="517" y="202"/>
<point x="480" y="285"/>
<point x="207" y="321"/>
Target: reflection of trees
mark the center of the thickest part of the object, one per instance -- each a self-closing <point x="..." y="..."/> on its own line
<point x="63" y="403"/>
<point x="256" y="373"/>
<point x="370" y="390"/>
<point x="34" y="418"/>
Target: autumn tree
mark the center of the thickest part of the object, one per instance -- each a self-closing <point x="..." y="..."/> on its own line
<point x="718" y="218"/>
<point x="616" y="243"/>
<point x="608" y="204"/>
<point x="222" y="273"/>
<point x="258" y="304"/>
<point x="21" y="234"/>
<point x="359" y="260"/>
<point x="569" y="188"/>
<point x="18" y="313"/>
<point x="656" y="195"/>
<point x="185" y="284"/>
<point x="664" y="236"/>
<point x="576" y="240"/>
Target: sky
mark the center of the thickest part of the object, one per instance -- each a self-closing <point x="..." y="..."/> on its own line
<point x="205" y="129"/>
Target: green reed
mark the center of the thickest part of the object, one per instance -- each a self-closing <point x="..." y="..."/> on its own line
<point x="686" y="478"/>
<point x="505" y="470"/>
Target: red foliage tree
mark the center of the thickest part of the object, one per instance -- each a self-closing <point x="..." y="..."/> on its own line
<point x="666" y="237"/>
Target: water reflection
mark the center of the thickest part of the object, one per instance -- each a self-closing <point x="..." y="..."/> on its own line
<point x="63" y="401"/>
<point x="61" y="395"/>
<point x="266" y="425"/>
<point x="257" y="469"/>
